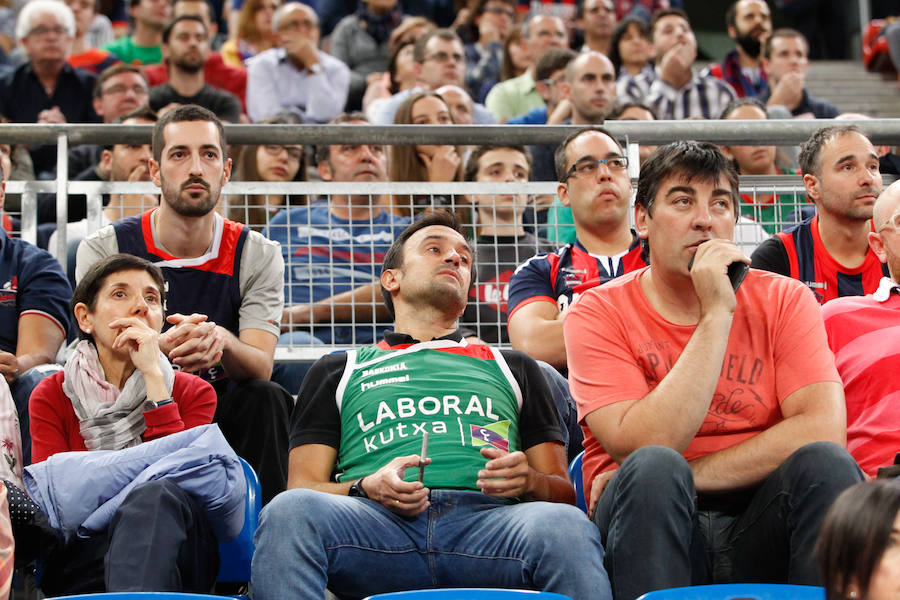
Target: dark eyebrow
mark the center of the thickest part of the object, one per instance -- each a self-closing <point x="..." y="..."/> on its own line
<point x="442" y="238"/>
<point x="592" y="157"/>
<point x="681" y="189"/>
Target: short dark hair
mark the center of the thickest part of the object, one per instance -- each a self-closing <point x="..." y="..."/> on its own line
<point x="855" y="534"/>
<point x="210" y="11"/>
<point x="783" y="32"/>
<point x="619" y="31"/>
<point x="731" y="15"/>
<point x="667" y="12"/>
<point x="141" y="112"/>
<point x="552" y="61"/>
<point x="811" y="150"/>
<point x="393" y="259"/>
<point x="739" y="102"/>
<point x="479" y="8"/>
<point x="471" y="169"/>
<point x="167" y="32"/>
<point x="112" y="72"/>
<point x="323" y="151"/>
<point x="87" y="289"/>
<point x="691" y="160"/>
<point x="559" y="157"/>
<point x="444" y="34"/>
<point x="620" y="107"/>
<point x="182" y="114"/>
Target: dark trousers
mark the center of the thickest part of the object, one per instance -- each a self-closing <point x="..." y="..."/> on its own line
<point x="254" y="416"/>
<point x="158" y="540"/>
<point x="658" y="535"/>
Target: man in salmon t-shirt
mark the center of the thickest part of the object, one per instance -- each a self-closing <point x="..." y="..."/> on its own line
<point x="714" y="419"/>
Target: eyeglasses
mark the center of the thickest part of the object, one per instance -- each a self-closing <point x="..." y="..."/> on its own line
<point x="305" y="25"/>
<point x="294" y="153"/>
<point x="551" y="82"/>
<point x="118" y="90"/>
<point x="497" y="10"/>
<point x="42" y="30"/>
<point x="443" y="57"/>
<point x="588" y="166"/>
<point x="893" y="221"/>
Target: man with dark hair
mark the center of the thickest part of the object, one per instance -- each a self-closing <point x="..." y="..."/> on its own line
<point x="332" y="249"/>
<point x="714" y="420"/>
<point x="186" y="50"/>
<point x="519" y="95"/>
<point x="296" y="76"/>
<point x="672" y="89"/>
<point x="439" y="59"/>
<point x="549" y="76"/>
<point x="829" y="252"/>
<point x="786" y="61"/>
<point x="381" y="524"/>
<point x="144" y="45"/>
<point x="494" y="20"/>
<point x="749" y="24"/>
<point x="596" y="18"/>
<point x="224" y="297"/>
<point x="593" y="174"/>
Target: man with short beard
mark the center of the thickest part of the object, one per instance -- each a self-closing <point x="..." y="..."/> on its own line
<point x="830" y="251"/>
<point x="186" y="49"/>
<point x="749" y="24"/>
<point x="224" y="287"/>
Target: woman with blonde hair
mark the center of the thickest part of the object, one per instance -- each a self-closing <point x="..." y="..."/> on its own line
<point x="254" y="32"/>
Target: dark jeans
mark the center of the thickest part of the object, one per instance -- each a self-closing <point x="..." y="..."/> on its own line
<point x="658" y="535"/>
<point x="254" y="416"/>
<point x="158" y="540"/>
<point x="21" y="389"/>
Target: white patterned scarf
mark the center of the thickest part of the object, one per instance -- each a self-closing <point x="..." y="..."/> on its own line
<point x="109" y="419"/>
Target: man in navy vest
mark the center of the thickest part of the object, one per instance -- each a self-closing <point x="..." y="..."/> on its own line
<point x="224" y="281"/>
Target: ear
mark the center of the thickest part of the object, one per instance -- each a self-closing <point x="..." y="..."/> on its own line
<point x="84" y="317"/>
<point x="417" y="69"/>
<point x="732" y="32"/>
<point x="226" y="171"/>
<point x="390" y="279"/>
<point x="324" y="169"/>
<point x="565" y="90"/>
<point x="562" y="191"/>
<point x="877" y="246"/>
<point x="153" y="167"/>
<point x="640" y="221"/>
<point x="813" y="187"/>
<point x="106" y="160"/>
<point x="726" y="151"/>
<point x="97" y="106"/>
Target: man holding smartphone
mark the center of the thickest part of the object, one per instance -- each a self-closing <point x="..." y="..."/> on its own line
<point x="357" y="520"/>
<point x="713" y="417"/>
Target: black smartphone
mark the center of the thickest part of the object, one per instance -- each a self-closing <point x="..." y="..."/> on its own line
<point x="736" y="272"/>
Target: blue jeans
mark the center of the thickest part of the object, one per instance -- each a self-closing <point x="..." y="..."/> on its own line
<point x="308" y="540"/>
<point x="659" y="535"/>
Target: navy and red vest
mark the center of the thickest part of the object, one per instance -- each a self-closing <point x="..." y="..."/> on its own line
<point x="811" y="263"/>
<point x="208" y="285"/>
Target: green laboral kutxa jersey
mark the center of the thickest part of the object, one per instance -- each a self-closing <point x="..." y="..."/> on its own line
<point x="463" y="395"/>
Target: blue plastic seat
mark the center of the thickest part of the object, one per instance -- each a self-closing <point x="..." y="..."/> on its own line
<point x="576" y="476"/>
<point x="739" y="591"/>
<point x="235" y="556"/>
<point x="469" y="594"/>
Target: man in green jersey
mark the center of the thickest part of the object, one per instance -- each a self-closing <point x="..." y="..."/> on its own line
<point x="491" y="508"/>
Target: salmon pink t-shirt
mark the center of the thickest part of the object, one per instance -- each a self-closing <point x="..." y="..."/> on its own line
<point x="619" y="348"/>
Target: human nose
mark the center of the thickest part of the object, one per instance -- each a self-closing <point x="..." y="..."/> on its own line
<point x="452" y="257"/>
<point x="196" y="168"/>
<point x="140" y="305"/>
<point x="702" y="216"/>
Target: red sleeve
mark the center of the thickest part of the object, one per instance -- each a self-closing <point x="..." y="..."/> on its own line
<point x="195" y="404"/>
<point x="54" y="427"/>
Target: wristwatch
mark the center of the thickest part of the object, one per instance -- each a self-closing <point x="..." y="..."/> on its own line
<point x="151" y="405"/>
<point x="315" y="68"/>
<point x="356" y="490"/>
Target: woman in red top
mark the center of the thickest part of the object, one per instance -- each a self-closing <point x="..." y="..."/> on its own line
<point x="118" y="390"/>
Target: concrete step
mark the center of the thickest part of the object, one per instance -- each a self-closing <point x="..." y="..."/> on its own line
<point x="853" y="89"/>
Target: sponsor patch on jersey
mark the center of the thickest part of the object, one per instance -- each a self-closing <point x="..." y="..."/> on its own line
<point x="495" y="434"/>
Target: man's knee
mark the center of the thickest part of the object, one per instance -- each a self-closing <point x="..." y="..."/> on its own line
<point x="261" y="397"/>
<point x="823" y="463"/>
<point x="657" y="470"/>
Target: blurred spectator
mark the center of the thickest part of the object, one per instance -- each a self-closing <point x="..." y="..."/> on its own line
<point x="144" y="45"/>
<point x="462" y="109"/>
<point x="518" y="95"/>
<point x="215" y="72"/>
<point x="643" y="9"/>
<point x="786" y="62"/>
<point x="86" y="52"/>
<point x="597" y="18"/>
<point x="203" y="9"/>
<point x="296" y="76"/>
<point x="749" y="25"/>
<point x="186" y="50"/>
<point x="439" y="60"/>
<point x="440" y="12"/>
<point x="46" y="89"/>
<point x="254" y="34"/>
<point x="826" y="24"/>
<point x="773" y="211"/>
<point x="423" y="162"/>
<point x="549" y="76"/>
<point x="15" y="160"/>
<point x="400" y="76"/>
<point x="631" y="50"/>
<point x="494" y="19"/>
<point x="672" y="89"/>
<point x="409" y="30"/>
<point x="267" y="162"/>
<point x="502" y="243"/>
<point x="515" y="55"/>
<point x="857" y="545"/>
<point x="360" y="40"/>
<point x="634" y="111"/>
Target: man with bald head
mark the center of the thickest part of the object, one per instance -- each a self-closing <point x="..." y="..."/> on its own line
<point x="863" y="334"/>
<point x="296" y="76"/>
